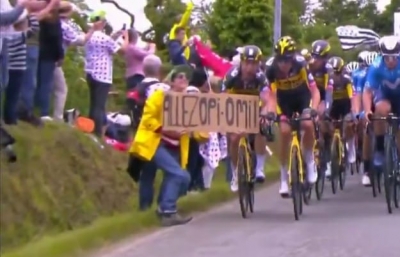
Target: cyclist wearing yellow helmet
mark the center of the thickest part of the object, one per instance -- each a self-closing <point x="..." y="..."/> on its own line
<point x="292" y="90"/>
<point x="341" y="104"/>
<point x="318" y="67"/>
<point x="247" y="78"/>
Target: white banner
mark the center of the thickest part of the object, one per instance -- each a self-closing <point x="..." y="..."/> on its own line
<point x="396" y="24"/>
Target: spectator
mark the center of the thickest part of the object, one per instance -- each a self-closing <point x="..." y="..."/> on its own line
<point x="8" y="16"/>
<point x="167" y="149"/>
<point x="177" y="46"/>
<point x="29" y="83"/>
<point x="17" y="67"/>
<point x="134" y="56"/>
<point x="198" y="83"/>
<point x="99" y="51"/>
<point x="51" y="55"/>
<point x="182" y="21"/>
<point x="152" y="70"/>
<point x="71" y="36"/>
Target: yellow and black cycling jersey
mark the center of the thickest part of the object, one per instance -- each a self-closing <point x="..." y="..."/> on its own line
<point x="234" y="82"/>
<point x="298" y="80"/>
<point x="321" y="77"/>
<point x="341" y="88"/>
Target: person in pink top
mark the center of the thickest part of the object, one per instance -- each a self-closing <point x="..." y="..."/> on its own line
<point x="134" y="56"/>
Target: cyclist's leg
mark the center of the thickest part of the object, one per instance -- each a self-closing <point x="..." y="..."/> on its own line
<point x="308" y="139"/>
<point x="335" y="114"/>
<point x="284" y="109"/>
<point x="382" y="109"/>
<point x="233" y="154"/>
<point x="259" y="148"/>
<point x="396" y="110"/>
<point x="349" y="131"/>
<point x="366" y="153"/>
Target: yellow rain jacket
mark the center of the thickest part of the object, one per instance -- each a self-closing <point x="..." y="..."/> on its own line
<point x="183" y="23"/>
<point x="147" y="139"/>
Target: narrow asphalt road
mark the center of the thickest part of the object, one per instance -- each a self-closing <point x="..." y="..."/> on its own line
<point x="349" y="224"/>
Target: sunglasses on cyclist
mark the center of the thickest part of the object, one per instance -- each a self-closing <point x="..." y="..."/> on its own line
<point x="390" y="58"/>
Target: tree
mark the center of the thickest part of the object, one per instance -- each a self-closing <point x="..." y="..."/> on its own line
<point x="233" y="23"/>
<point x="162" y="14"/>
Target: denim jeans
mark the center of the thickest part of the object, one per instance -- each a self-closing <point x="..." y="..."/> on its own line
<point x="146" y="186"/>
<point x="176" y="180"/>
<point x="228" y="167"/>
<point x="98" y="93"/>
<point x="4" y="65"/>
<point x="11" y="96"/>
<point x="45" y="84"/>
<point x="28" y="88"/>
<point x="195" y="164"/>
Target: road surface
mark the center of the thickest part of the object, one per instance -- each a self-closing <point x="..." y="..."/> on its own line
<point x="349" y="224"/>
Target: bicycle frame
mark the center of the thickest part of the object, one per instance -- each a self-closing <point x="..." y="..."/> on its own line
<point x="244" y="142"/>
<point x="295" y="143"/>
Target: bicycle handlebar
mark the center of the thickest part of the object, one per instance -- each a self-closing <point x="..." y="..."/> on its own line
<point x="390" y="117"/>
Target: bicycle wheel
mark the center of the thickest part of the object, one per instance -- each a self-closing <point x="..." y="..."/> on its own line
<point x="243" y="181"/>
<point x="343" y="165"/>
<point x="335" y="163"/>
<point x="396" y="193"/>
<point x="320" y="185"/>
<point x="388" y="172"/>
<point x="373" y="172"/>
<point x="296" y="186"/>
<point x="251" y="182"/>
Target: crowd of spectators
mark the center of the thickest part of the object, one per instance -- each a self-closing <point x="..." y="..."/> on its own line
<point x="34" y="38"/>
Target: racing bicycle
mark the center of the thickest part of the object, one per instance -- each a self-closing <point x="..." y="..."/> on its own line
<point x="338" y="156"/>
<point x="299" y="186"/>
<point x="246" y="176"/>
<point x="391" y="168"/>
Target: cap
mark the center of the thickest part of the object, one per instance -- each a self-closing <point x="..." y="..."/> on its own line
<point x="152" y="60"/>
<point x="97" y="15"/>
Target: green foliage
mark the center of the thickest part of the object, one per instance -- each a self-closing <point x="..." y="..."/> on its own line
<point x="61" y="182"/>
<point x="163" y="14"/>
<point x="238" y="22"/>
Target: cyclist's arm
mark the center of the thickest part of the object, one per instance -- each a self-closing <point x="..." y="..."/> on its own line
<point x="270" y="92"/>
<point x="329" y="96"/>
<point x="351" y="93"/>
<point x="315" y="96"/>
<point x="371" y="84"/>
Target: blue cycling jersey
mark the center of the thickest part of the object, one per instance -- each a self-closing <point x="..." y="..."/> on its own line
<point x="379" y="77"/>
<point x="359" y="77"/>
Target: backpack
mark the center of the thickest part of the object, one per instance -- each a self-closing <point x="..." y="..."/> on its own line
<point x="135" y="100"/>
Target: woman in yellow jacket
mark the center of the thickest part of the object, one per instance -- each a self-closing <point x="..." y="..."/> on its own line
<point x="167" y="149"/>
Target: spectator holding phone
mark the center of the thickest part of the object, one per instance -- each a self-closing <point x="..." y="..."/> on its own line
<point x="99" y="51"/>
<point x="134" y="56"/>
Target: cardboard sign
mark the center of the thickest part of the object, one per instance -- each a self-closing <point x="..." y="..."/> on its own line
<point x="211" y="112"/>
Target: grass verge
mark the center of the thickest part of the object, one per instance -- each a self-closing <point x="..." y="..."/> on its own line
<point x="108" y="228"/>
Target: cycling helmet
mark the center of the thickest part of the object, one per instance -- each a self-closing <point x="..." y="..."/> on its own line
<point x="362" y="57"/>
<point x="320" y="48"/>
<point x="352" y="66"/>
<point x="305" y="53"/>
<point x="251" y="53"/>
<point x="371" y="56"/>
<point x="389" y="45"/>
<point x="285" y="46"/>
<point x="336" y="64"/>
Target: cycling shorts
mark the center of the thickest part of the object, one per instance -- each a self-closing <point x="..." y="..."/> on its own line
<point x="394" y="100"/>
<point x="289" y="104"/>
<point x="340" y="108"/>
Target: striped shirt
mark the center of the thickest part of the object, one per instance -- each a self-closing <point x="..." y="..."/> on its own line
<point x="17" y="47"/>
